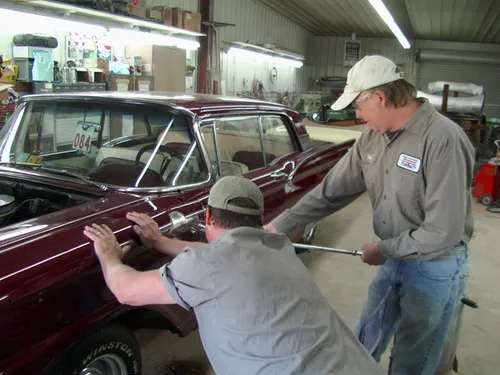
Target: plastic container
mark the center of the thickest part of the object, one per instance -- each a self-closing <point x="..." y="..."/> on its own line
<point x="143" y="86"/>
<point x="122" y="84"/>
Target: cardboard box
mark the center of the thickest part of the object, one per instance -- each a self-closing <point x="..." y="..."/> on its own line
<point x="191" y="21"/>
<point x="154" y="15"/>
<point x="137" y="3"/>
<point x="137" y="8"/>
<point x="103" y="64"/>
<point x="10" y="73"/>
<point x="166" y="14"/>
<point x="177" y="17"/>
<point x="138" y="12"/>
<point x="166" y="64"/>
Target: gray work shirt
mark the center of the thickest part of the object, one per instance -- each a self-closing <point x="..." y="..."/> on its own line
<point x="259" y="310"/>
<point x="419" y="182"/>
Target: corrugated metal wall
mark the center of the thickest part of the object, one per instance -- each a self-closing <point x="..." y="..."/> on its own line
<point x="258" y="24"/>
<point x="486" y="75"/>
<point x="483" y="74"/>
<point x="325" y="58"/>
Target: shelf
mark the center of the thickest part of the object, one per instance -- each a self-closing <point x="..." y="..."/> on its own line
<point x="75" y="13"/>
<point x="22" y="86"/>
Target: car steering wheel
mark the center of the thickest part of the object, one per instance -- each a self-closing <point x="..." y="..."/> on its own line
<point x="163" y="148"/>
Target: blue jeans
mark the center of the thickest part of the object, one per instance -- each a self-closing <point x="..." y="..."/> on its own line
<point x="422" y="310"/>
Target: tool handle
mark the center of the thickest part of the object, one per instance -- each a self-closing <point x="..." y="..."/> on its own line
<point x="327" y="249"/>
<point x="469" y="303"/>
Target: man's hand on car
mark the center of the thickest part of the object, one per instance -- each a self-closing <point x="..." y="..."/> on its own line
<point x="147" y="229"/>
<point x="105" y="243"/>
<point x="371" y="255"/>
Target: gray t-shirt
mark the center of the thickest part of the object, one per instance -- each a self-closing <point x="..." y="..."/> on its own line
<point x="259" y="310"/>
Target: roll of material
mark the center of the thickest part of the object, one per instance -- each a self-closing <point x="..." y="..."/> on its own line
<point x="465" y="104"/>
<point x="466" y="88"/>
<point x="35" y="40"/>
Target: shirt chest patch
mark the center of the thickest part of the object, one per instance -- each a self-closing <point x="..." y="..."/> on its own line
<point x="410" y="163"/>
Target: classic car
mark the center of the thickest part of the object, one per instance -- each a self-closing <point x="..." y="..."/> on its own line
<point x="69" y="160"/>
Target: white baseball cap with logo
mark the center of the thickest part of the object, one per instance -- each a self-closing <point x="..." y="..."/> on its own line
<point x="369" y="72"/>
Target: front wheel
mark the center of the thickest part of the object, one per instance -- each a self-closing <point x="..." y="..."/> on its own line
<point x="113" y="350"/>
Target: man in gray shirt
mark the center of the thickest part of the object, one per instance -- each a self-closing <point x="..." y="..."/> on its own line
<point x="417" y="167"/>
<point x="258" y="308"/>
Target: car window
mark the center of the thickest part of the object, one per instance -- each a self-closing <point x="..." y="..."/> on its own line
<point x="111" y="144"/>
<point x="235" y="147"/>
<point x="277" y="141"/>
<point x="242" y="147"/>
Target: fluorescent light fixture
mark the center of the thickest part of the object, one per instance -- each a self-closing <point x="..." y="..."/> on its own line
<point x="257" y="56"/>
<point x="383" y="12"/>
<point x="138" y="37"/>
<point x="28" y="22"/>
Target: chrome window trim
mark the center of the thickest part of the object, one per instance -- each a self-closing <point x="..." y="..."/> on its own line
<point x="212" y="125"/>
<point x="184" y="162"/>
<point x="261" y="136"/>
<point x="155" y="150"/>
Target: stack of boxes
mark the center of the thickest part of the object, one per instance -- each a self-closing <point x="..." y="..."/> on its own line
<point x="176" y="17"/>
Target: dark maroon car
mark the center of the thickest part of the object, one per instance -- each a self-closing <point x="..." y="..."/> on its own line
<point x="69" y="160"/>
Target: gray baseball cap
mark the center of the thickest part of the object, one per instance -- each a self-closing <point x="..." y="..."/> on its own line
<point x="231" y="187"/>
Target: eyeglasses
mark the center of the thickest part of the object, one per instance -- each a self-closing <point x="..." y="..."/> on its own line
<point x="364" y="98"/>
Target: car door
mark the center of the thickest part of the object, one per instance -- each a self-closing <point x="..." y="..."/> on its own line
<point x="257" y="147"/>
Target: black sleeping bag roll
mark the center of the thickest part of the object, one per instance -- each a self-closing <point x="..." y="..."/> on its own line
<point x="35" y="40"/>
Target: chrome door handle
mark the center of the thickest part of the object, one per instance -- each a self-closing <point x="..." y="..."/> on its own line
<point x="280" y="172"/>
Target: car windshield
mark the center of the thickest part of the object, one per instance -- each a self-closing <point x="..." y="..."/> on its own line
<point x="123" y="145"/>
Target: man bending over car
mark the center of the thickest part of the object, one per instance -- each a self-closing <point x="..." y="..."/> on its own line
<point x="258" y="308"/>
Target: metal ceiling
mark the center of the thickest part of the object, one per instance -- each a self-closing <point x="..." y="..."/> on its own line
<point x="451" y="20"/>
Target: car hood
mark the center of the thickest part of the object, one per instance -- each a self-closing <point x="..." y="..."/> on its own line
<point x="16" y="231"/>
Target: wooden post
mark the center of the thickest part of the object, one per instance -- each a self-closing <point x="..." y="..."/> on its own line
<point x="444" y="103"/>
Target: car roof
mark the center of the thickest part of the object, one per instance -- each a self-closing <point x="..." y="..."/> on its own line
<point x="190" y="101"/>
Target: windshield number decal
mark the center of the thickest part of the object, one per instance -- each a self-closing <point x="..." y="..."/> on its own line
<point x="83" y="136"/>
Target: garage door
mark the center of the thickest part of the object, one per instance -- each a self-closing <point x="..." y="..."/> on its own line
<point x="486" y="75"/>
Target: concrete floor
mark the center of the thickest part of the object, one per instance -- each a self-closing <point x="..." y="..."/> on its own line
<point x="344" y="280"/>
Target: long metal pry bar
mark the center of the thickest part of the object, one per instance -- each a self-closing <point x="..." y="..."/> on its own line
<point x="327" y="249"/>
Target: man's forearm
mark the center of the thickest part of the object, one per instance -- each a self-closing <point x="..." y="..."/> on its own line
<point x="117" y="275"/>
<point x="342" y="185"/>
<point x="173" y="247"/>
<point x="132" y="287"/>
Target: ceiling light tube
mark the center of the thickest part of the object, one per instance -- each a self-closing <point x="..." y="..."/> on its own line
<point x="257" y="56"/>
<point x="138" y="37"/>
<point x="33" y="22"/>
<point x="384" y="13"/>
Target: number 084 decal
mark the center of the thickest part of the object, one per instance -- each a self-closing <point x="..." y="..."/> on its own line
<point x="83" y="136"/>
